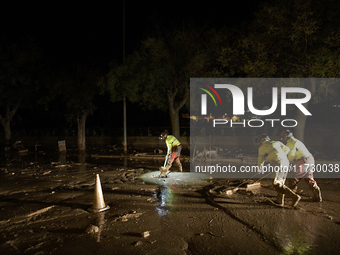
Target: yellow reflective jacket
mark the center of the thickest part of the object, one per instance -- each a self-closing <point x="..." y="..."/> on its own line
<point x="171" y="141"/>
<point x="297" y="150"/>
<point x="272" y="151"/>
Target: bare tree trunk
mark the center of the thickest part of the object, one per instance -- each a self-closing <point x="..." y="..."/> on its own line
<point x="174" y="111"/>
<point x="81" y="131"/>
<point x="6" y="121"/>
<point x="299" y="130"/>
<point x="174" y="118"/>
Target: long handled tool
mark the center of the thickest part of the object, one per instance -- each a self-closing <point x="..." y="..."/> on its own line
<point x="163" y="169"/>
<point x="261" y="166"/>
<point x="236" y="188"/>
<point x="167" y="159"/>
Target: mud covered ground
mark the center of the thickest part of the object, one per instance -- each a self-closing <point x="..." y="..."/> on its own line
<point x="44" y="202"/>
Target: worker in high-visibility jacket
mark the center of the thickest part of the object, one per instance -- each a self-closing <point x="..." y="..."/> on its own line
<point x="174" y="148"/>
<point x="303" y="162"/>
<point x="275" y="153"/>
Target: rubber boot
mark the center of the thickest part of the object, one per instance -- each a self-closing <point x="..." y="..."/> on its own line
<point x="180" y="166"/>
<point x="280" y="199"/>
<point x="295" y="198"/>
<point x="315" y="189"/>
<point x="317" y="194"/>
<point x="178" y="162"/>
<point x="291" y="183"/>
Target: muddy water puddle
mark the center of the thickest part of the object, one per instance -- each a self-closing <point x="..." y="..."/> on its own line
<point x="48" y="197"/>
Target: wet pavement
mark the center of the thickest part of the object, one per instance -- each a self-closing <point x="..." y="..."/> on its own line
<point x="44" y="202"/>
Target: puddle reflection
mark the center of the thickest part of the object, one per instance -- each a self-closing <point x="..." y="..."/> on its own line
<point x="165" y="198"/>
<point x="82" y="162"/>
<point x="100" y="222"/>
<point x="97" y="226"/>
<point x="62" y="158"/>
<point x="168" y="187"/>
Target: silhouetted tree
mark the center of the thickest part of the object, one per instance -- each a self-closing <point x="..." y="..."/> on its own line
<point x="158" y="74"/>
<point x="290" y="38"/>
<point x="78" y="87"/>
<point x="19" y="76"/>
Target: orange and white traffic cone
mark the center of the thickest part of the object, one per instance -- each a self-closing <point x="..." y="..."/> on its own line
<point x="98" y="201"/>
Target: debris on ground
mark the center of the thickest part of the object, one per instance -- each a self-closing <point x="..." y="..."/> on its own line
<point x="145" y="234"/>
<point x="128" y="216"/>
<point x="92" y="229"/>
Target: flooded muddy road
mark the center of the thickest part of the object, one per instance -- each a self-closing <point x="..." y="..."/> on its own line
<point x="44" y="202"/>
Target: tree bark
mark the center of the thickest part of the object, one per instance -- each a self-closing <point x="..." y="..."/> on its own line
<point x="6" y="120"/>
<point x="299" y="130"/>
<point x="6" y="123"/>
<point x="81" y="120"/>
<point x="174" y="111"/>
<point x="174" y="118"/>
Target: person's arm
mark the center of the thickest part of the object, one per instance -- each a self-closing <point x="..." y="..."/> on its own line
<point x="169" y="147"/>
<point x="260" y="158"/>
<point x="301" y="150"/>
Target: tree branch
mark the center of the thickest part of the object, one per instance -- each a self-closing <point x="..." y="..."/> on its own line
<point x="11" y="112"/>
<point x="184" y="100"/>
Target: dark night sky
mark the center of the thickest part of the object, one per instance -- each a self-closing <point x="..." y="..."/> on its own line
<point x="80" y="31"/>
<point x="91" y="31"/>
<point x="70" y="31"/>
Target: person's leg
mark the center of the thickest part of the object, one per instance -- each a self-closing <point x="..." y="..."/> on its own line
<point x="284" y="190"/>
<point x="295" y="198"/>
<point x="280" y="198"/>
<point x="178" y="162"/>
<point x="313" y="186"/>
<point x="292" y="183"/>
<point x="309" y="178"/>
<point x="175" y="157"/>
<point x="278" y="182"/>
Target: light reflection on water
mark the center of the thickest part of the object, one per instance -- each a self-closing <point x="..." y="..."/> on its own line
<point x="169" y="187"/>
<point x="165" y="202"/>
